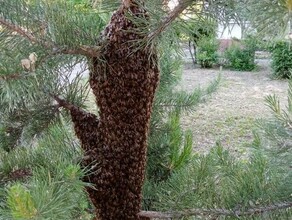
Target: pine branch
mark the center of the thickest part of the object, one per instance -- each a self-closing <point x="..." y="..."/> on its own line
<point x="182" y="5"/>
<point x="18" y="29"/>
<point x="89" y="51"/>
<point x="11" y="76"/>
<point x="63" y="103"/>
<point x="215" y="212"/>
<point x="85" y="123"/>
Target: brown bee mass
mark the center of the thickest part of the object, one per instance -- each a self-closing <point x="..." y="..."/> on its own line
<point x="124" y="84"/>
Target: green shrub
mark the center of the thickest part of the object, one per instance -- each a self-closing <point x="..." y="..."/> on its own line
<point x="242" y="56"/>
<point x="281" y="53"/>
<point x="207" y="52"/>
<point x="239" y="58"/>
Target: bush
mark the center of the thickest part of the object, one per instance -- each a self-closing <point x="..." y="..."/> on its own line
<point x="281" y="59"/>
<point x="242" y="56"/>
<point x="240" y="59"/>
<point x="207" y="52"/>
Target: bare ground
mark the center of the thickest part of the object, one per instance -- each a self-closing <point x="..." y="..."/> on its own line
<point x="229" y="115"/>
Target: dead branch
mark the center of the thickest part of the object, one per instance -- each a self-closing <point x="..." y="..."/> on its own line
<point x="18" y="29"/>
<point x="82" y="50"/>
<point x="215" y="212"/>
<point x="182" y="5"/>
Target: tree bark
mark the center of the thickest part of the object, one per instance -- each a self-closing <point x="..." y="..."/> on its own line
<point x="123" y="81"/>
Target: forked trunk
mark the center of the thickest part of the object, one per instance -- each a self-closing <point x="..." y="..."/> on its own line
<point x="124" y="84"/>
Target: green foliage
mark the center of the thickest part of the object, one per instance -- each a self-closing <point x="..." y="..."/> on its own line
<point x="40" y="178"/>
<point x="26" y="107"/>
<point x="228" y="183"/>
<point x="239" y="59"/>
<point x="55" y="142"/>
<point x="241" y="56"/>
<point x="217" y="181"/>
<point x="170" y="148"/>
<point x="173" y="149"/>
<point x="54" y="21"/>
<point x="38" y="155"/>
<point x="197" y="28"/>
<point x="20" y="202"/>
<point x="271" y="18"/>
<point x="51" y="187"/>
<point x="276" y="133"/>
<point x="281" y="59"/>
<point x="207" y="52"/>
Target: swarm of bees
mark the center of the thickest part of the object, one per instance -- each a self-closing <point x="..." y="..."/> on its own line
<point x="29" y="64"/>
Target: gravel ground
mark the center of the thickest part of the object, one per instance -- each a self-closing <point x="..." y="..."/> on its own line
<point x="229" y="116"/>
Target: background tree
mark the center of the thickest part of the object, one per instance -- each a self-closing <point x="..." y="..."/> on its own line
<point x="274" y="26"/>
<point x="275" y="22"/>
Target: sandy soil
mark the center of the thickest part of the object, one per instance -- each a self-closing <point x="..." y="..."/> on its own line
<point x="230" y="115"/>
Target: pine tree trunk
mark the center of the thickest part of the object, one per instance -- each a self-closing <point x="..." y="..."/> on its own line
<point x="124" y="83"/>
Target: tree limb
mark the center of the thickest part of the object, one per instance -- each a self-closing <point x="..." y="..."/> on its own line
<point x="182" y="5"/>
<point x="81" y="50"/>
<point x="10" y="76"/>
<point x="63" y="103"/>
<point x="215" y="212"/>
<point x="71" y="107"/>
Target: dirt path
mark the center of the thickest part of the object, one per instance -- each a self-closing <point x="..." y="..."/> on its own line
<point x="230" y="114"/>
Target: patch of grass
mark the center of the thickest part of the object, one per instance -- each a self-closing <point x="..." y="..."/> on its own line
<point x="232" y="132"/>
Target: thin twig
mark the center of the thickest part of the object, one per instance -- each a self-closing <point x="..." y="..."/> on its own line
<point x="89" y="51"/>
<point x="190" y="50"/>
<point x="182" y="5"/>
<point x="62" y="102"/>
<point x="69" y="106"/>
<point x="215" y="212"/>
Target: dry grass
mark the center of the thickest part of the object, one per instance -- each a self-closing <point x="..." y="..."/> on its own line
<point x="229" y="116"/>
